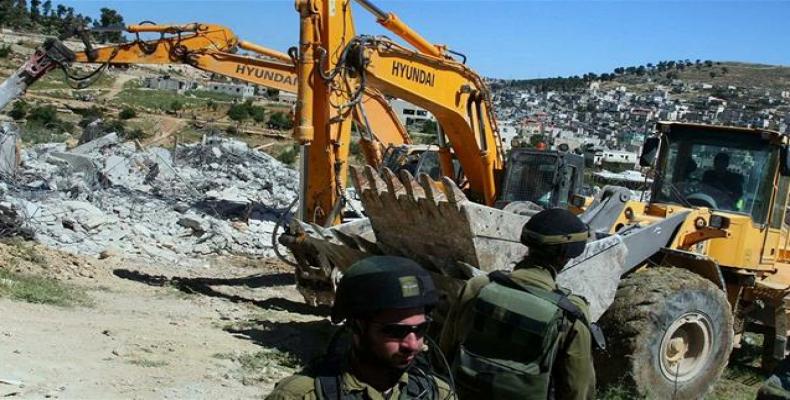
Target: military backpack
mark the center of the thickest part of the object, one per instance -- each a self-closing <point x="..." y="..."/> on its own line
<point x="510" y="348"/>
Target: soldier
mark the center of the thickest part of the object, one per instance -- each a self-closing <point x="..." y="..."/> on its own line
<point x="385" y="302"/>
<point x="518" y="335"/>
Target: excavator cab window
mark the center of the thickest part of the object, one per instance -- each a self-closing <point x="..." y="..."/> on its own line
<point x="533" y="176"/>
<point x="429" y="164"/>
<point x="720" y="170"/>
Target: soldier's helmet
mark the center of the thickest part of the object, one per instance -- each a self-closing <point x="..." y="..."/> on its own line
<point x="380" y="283"/>
<point x="555" y="231"/>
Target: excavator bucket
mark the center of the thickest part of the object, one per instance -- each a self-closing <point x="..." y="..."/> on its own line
<point x="435" y="224"/>
<point x="45" y="58"/>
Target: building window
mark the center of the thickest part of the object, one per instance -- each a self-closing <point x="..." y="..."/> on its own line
<point x="407" y="111"/>
<point x="422" y="113"/>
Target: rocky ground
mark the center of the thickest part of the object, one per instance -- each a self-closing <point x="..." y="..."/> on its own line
<point x="151" y="331"/>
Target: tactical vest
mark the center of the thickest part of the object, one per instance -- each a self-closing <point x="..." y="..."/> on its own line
<point x="328" y="386"/>
<point x="510" y="348"/>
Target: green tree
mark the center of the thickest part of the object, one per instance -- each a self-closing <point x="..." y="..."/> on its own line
<point x="176" y="106"/>
<point x="46" y="8"/>
<point x="35" y="11"/>
<point x="238" y="112"/>
<point x="107" y="19"/>
<point x="280" y="121"/>
<point x="14" y="14"/>
<point x="257" y="113"/>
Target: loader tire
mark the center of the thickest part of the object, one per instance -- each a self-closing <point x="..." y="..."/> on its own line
<point x="669" y="334"/>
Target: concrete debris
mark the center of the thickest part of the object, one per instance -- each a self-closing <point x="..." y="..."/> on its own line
<point x="9" y="134"/>
<point x="105" y="198"/>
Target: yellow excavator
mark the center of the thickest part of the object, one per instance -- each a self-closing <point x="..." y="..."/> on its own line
<point x="430" y="76"/>
<point x="210" y="48"/>
<point x="675" y="279"/>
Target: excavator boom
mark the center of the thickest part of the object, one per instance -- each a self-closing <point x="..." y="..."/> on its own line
<point x="210" y="48"/>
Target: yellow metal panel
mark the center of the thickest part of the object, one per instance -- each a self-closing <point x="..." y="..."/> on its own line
<point x="444" y="91"/>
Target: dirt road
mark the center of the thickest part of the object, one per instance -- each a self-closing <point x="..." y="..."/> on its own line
<point x="224" y="331"/>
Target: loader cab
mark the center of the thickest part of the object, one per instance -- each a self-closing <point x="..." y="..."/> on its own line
<point x="545" y="177"/>
<point x="721" y="168"/>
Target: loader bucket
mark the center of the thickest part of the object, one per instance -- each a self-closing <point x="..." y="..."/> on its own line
<point x="435" y="224"/>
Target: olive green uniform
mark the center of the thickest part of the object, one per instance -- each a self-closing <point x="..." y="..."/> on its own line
<point x="303" y="387"/>
<point x="777" y="386"/>
<point x="573" y="374"/>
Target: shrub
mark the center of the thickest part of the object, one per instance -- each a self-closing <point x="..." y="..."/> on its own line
<point x="5" y="51"/>
<point x="288" y="156"/>
<point x="238" y="112"/>
<point x="176" y="105"/>
<point x="19" y="111"/>
<point x="114" y="125"/>
<point x="89" y="115"/>
<point x="280" y="121"/>
<point x="258" y="113"/>
<point x="135" y="134"/>
<point x="43" y="116"/>
<point x="127" y="113"/>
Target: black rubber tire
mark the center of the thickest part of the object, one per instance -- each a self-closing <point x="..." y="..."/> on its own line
<point x="647" y="304"/>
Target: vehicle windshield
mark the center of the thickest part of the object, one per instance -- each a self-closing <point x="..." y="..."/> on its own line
<point x="723" y="171"/>
<point x="530" y="177"/>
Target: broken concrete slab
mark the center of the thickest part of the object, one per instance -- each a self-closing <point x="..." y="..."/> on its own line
<point x="96" y="144"/>
<point x="78" y="164"/>
<point x="197" y="224"/>
<point x="9" y="136"/>
<point x="85" y="215"/>
<point x="116" y="170"/>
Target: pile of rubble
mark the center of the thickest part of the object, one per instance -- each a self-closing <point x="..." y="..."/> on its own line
<point x="106" y="198"/>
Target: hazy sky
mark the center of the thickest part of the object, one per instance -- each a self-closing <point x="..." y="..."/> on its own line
<point x="521" y="39"/>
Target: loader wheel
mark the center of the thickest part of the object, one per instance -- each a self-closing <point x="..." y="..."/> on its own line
<point x="669" y="333"/>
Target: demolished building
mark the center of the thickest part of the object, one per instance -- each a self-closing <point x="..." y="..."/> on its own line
<point x="106" y="197"/>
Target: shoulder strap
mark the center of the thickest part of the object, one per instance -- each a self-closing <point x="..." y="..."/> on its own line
<point x="328" y="387"/>
<point x="420" y="385"/>
<point x="559" y="298"/>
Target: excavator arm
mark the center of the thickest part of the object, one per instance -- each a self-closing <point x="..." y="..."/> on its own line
<point x="451" y="91"/>
<point x="210" y="48"/>
<point x="337" y="66"/>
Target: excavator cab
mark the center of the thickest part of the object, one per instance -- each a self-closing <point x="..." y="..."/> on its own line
<point x="545" y="178"/>
<point x="418" y="159"/>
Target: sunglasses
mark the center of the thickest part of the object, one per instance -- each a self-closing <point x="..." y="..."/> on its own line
<point x="400" y="331"/>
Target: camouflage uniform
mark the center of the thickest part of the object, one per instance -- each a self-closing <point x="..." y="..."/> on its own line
<point x="777" y="386"/>
<point x="303" y="387"/>
<point x="573" y="375"/>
